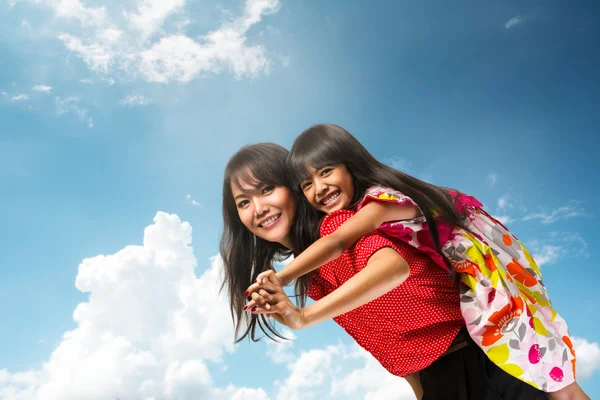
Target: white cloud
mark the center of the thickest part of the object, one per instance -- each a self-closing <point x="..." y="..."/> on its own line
<point x="558" y="245"/>
<point x="71" y="105"/>
<point x="188" y="199"/>
<point x="340" y="372"/>
<point x="150" y="328"/>
<point x="20" y="97"/>
<point x="73" y="9"/>
<point x="124" y="49"/>
<point x="573" y="209"/>
<point x="371" y="381"/>
<point x="514" y="21"/>
<point x="399" y="163"/>
<point x="280" y="352"/>
<point x="152" y="13"/>
<point x="503" y="201"/>
<point x="492" y="178"/>
<point x="137" y="100"/>
<point x="588" y="357"/>
<point x="42" y="88"/>
<point x="311" y="370"/>
<point x="547" y="254"/>
<point x="504" y="219"/>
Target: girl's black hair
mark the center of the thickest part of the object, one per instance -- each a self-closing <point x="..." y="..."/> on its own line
<point x="246" y="255"/>
<point x="328" y="144"/>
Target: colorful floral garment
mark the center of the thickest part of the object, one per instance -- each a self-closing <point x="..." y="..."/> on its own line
<point x="505" y="305"/>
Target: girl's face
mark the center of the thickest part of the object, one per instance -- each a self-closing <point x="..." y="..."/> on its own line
<point x="267" y="211"/>
<point x="329" y="189"/>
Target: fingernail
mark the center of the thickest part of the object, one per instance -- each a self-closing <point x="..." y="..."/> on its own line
<point x="246" y="293"/>
<point x="253" y="309"/>
<point x="245" y="307"/>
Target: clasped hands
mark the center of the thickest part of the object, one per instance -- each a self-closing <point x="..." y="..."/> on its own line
<point x="268" y="297"/>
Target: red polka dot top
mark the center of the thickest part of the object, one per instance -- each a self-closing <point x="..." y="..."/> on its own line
<point x="407" y="328"/>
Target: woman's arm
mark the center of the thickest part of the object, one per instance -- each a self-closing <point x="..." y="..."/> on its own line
<point x="330" y="247"/>
<point x="384" y="271"/>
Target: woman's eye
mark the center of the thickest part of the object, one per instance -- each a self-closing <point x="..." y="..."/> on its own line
<point x="268" y="189"/>
<point x="243" y="203"/>
<point x="305" y="185"/>
<point x="325" y="171"/>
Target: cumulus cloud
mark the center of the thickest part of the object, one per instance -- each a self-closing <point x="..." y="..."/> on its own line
<point x="324" y="373"/>
<point x="138" y="45"/>
<point x="280" y="352"/>
<point x="588" y="357"/>
<point x="150" y="328"/>
<point x="42" y="88"/>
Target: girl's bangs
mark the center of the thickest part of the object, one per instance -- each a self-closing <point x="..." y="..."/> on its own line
<point x="302" y="160"/>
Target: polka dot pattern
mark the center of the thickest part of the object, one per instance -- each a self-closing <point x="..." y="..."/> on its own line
<point x="409" y="327"/>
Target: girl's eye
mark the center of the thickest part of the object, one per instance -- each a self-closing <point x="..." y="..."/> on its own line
<point x="243" y="203"/>
<point x="305" y="185"/>
<point x="325" y="171"/>
<point x="268" y="189"/>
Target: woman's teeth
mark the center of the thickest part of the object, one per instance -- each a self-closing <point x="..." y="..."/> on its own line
<point x="270" y="220"/>
<point x="331" y="198"/>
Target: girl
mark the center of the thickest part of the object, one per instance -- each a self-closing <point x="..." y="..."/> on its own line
<point x="503" y="300"/>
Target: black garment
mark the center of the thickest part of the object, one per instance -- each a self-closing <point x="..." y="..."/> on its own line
<point x="468" y="374"/>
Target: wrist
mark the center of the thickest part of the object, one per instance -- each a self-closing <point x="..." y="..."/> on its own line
<point x="282" y="277"/>
<point x="308" y="317"/>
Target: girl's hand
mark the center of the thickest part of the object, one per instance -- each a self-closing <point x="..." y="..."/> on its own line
<point x="279" y="306"/>
<point x="265" y="276"/>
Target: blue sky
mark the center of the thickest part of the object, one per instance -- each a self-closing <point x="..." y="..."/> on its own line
<point x="118" y="119"/>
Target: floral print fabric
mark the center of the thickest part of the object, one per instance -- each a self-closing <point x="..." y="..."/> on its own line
<point x="503" y="301"/>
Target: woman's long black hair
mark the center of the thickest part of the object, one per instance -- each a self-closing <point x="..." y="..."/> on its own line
<point x="328" y="144"/>
<point x="246" y="255"/>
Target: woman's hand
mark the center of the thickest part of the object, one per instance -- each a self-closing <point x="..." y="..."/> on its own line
<point x="265" y="276"/>
<point x="271" y="300"/>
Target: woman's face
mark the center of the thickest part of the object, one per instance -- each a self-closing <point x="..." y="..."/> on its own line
<point x="267" y="211"/>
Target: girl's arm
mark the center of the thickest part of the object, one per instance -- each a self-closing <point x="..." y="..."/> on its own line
<point x="384" y="271"/>
<point x="330" y="247"/>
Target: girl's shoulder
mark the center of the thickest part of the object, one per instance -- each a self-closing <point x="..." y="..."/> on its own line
<point x="385" y="194"/>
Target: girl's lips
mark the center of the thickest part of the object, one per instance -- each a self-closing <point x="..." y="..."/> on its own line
<point x="331" y="198"/>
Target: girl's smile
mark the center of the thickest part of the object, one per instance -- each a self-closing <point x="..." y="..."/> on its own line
<point x="329" y="188"/>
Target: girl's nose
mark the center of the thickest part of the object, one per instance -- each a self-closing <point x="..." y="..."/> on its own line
<point x="320" y="186"/>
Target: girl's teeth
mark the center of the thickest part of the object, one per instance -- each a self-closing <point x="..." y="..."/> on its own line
<point x="330" y="199"/>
